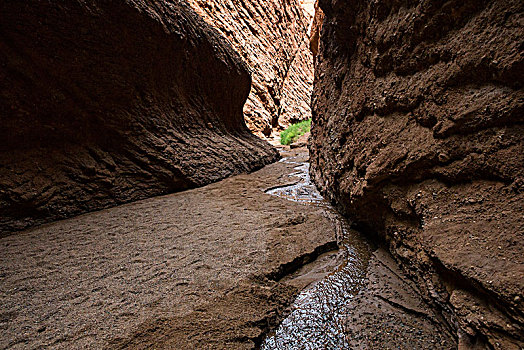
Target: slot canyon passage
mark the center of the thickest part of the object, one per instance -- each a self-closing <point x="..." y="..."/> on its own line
<point x="145" y="201"/>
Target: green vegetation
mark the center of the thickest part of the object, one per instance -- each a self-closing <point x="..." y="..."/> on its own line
<point x="293" y="132"/>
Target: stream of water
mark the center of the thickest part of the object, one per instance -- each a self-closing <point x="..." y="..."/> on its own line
<point x="317" y="318"/>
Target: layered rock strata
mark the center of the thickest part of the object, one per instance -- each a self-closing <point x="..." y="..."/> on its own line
<point x="272" y="38"/>
<point x="418" y="137"/>
<point x="109" y="102"/>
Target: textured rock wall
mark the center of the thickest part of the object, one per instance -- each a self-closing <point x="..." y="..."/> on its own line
<point x="107" y="102"/>
<point x="316" y="28"/>
<point x="272" y="38"/>
<point x="418" y="136"/>
<point x="308" y="6"/>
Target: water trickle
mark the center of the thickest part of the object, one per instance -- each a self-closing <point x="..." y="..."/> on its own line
<point x="317" y="316"/>
<point x="303" y="191"/>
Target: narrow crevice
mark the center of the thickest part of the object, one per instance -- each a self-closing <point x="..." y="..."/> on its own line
<point x="290" y="267"/>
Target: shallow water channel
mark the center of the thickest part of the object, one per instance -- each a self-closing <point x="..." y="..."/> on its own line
<point x="317" y="318"/>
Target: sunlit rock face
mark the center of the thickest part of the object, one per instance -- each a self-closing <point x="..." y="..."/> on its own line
<point x="108" y="102"/>
<point x="272" y="38"/>
<point x="308" y="6"/>
<point x="418" y="137"/>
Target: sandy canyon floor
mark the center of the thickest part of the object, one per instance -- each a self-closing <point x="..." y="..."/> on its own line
<point x="209" y="268"/>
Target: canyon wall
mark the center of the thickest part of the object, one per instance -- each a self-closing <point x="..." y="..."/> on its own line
<point x="316" y="28"/>
<point x="418" y="137"/>
<point x="272" y="38"/>
<point x="104" y="103"/>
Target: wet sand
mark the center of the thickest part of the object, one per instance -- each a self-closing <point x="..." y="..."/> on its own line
<point x="355" y="298"/>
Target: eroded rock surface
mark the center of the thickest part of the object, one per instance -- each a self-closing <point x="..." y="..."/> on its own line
<point x="316" y="28"/>
<point x="418" y="136"/>
<point x="108" y="102"/>
<point x="272" y="38"/>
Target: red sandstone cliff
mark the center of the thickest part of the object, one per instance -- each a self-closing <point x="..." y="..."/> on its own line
<point x="272" y="38"/>
<point x="107" y="102"/>
<point x="418" y="136"/>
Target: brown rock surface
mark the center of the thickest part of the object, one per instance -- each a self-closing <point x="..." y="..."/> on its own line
<point x="302" y="141"/>
<point x="198" y="269"/>
<point x="272" y="38"/>
<point x="316" y="28"/>
<point x="389" y="313"/>
<point x="107" y="102"/>
<point x="418" y="136"/>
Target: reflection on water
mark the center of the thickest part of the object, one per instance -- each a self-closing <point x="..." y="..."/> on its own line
<point x="316" y="320"/>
